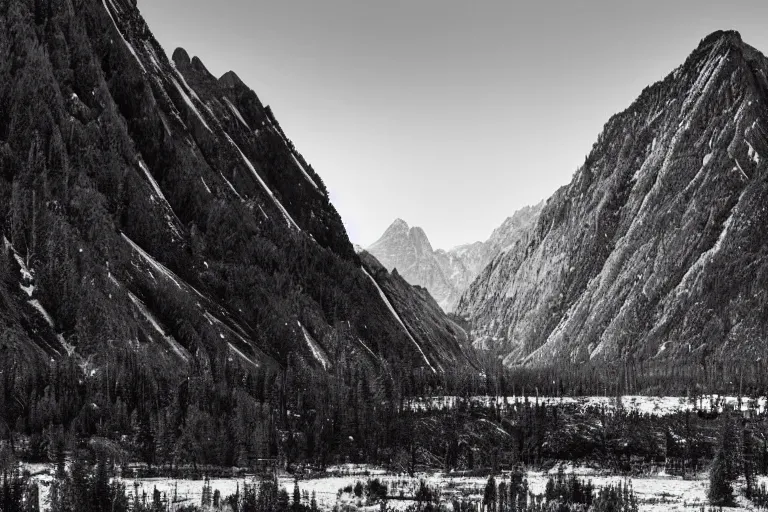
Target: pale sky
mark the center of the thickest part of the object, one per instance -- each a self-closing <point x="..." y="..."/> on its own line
<point x="448" y="114"/>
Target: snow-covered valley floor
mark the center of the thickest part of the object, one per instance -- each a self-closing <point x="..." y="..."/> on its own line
<point x="652" y="405"/>
<point x="656" y="493"/>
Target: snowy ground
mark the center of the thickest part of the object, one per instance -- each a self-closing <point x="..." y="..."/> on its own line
<point x="656" y="493"/>
<point x="654" y="405"/>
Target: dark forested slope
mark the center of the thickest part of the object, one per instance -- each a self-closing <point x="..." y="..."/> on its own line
<point x="150" y="203"/>
<point x="168" y="255"/>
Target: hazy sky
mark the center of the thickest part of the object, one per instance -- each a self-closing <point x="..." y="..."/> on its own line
<point x="449" y="114"/>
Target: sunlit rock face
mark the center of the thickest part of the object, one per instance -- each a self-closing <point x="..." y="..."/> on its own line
<point x="657" y="248"/>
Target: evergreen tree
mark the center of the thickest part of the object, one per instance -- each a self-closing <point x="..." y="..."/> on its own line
<point x="720" y="491"/>
<point x="313" y="503"/>
<point x="489" y="495"/>
<point x="207" y="498"/>
<point x="748" y="462"/>
<point x="296" y="496"/>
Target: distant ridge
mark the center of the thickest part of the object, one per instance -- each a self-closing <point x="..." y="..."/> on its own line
<point x="445" y="274"/>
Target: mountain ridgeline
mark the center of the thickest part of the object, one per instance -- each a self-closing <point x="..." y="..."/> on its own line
<point x="156" y="211"/>
<point x="656" y="250"/>
<point x="446" y="274"/>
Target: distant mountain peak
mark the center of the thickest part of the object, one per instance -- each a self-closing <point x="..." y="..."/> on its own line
<point x="445" y="274"/>
<point x="399" y="224"/>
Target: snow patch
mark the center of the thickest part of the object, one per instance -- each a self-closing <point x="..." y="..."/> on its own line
<point x="243" y="356"/>
<point x="159" y="267"/>
<point x="175" y="346"/>
<point x="236" y="112"/>
<point x="190" y="103"/>
<point x="171" y="218"/>
<point x="740" y="169"/>
<point x="39" y="307"/>
<point x="152" y="55"/>
<point x="151" y="179"/>
<point x="29" y="289"/>
<point x="69" y="348"/>
<point x="212" y="320"/>
<point x="367" y="348"/>
<point x="231" y="186"/>
<point x="26" y="274"/>
<point x="205" y="185"/>
<point x="754" y="155"/>
<point x="304" y="172"/>
<point x="147" y="314"/>
<point x="317" y="351"/>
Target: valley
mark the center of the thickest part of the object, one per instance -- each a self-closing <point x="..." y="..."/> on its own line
<point x="186" y="325"/>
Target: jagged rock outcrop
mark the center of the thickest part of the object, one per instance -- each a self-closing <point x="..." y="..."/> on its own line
<point x="657" y="248"/>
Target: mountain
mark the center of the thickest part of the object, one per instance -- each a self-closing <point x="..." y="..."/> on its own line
<point x="408" y="250"/>
<point x="154" y="209"/>
<point x="477" y="255"/>
<point x="656" y="250"/>
<point x="445" y="274"/>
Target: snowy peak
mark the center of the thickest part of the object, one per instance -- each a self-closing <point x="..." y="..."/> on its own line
<point x="407" y="251"/>
<point x="398" y="228"/>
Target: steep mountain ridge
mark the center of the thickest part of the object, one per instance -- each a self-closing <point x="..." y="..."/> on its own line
<point x="156" y="208"/>
<point x="656" y="249"/>
<point x="445" y="274"/>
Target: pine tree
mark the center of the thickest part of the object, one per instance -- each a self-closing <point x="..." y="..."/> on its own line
<point x="296" y="496"/>
<point x="313" y="503"/>
<point x="489" y="496"/>
<point x="207" y="497"/>
<point x="720" y="489"/>
<point x="748" y="465"/>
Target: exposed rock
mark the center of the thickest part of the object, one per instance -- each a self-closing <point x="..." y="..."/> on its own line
<point x="445" y="274"/>
<point x="657" y="248"/>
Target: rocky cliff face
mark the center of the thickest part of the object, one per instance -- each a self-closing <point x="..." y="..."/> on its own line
<point x="445" y="274"/>
<point x="657" y="248"/>
<point x="152" y="206"/>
